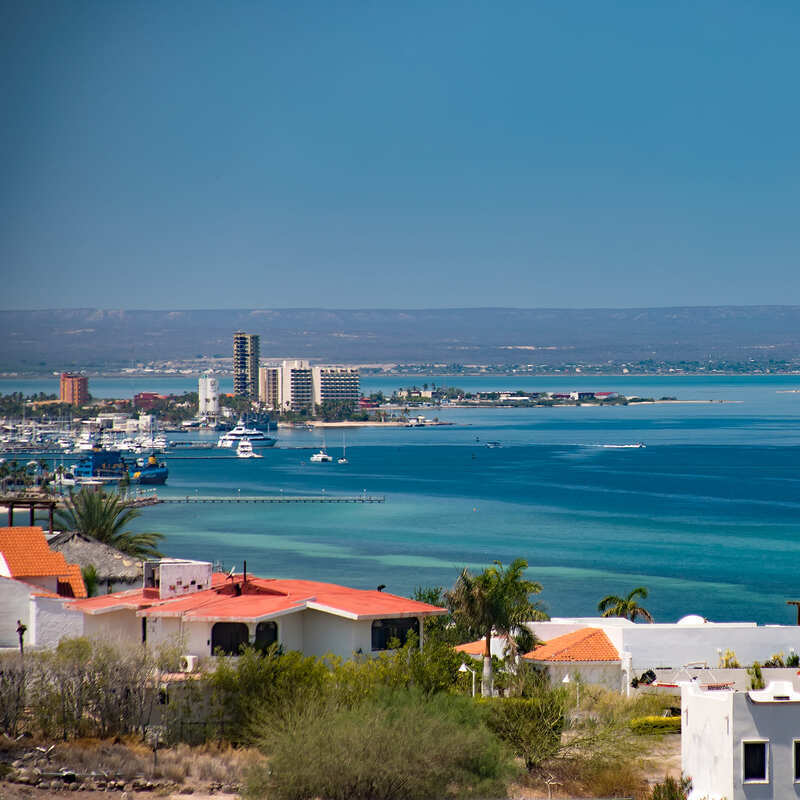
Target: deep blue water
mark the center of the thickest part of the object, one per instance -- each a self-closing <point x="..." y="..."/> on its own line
<point x="707" y="515"/>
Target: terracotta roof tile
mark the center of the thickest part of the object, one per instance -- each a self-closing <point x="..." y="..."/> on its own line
<point x="71" y="584"/>
<point x="27" y="555"/>
<point x="262" y="598"/>
<point x="586" y="644"/>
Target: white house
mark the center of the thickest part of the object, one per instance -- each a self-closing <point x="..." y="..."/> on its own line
<point x="182" y="600"/>
<point x="741" y="745"/>
<point x="35" y="584"/>
<point x="672" y="645"/>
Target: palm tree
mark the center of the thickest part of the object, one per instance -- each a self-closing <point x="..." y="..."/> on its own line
<point x="627" y="607"/>
<point x="498" y="599"/>
<point x="104" y="517"/>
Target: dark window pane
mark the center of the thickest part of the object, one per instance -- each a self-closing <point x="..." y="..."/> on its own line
<point x="797" y="761"/>
<point x="385" y="630"/>
<point x="755" y="761"/>
<point x="229" y="637"/>
<point x="266" y="634"/>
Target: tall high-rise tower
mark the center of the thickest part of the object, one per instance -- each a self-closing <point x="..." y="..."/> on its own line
<point x="245" y="364"/>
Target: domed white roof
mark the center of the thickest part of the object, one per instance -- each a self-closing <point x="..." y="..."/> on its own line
<point x="692" y="619"/>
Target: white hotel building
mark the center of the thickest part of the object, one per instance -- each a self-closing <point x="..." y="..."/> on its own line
<point x="295" y="385"/>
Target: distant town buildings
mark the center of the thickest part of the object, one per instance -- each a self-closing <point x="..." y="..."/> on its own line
<point x="245" y="364"/>
<point x="296" y="385"/>
<point x="147" y="400"/>
<point x="208" y="396"/>
<point x="74" y="389"/>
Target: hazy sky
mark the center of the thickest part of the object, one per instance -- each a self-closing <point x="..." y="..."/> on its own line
<point x="160" y="154"/>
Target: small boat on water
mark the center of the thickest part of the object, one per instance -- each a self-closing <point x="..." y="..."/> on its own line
<point x="320" y="457"/>
<point x="245" y="450"/>
<point x="635" y="446"/>
<point x="343" y="458"/>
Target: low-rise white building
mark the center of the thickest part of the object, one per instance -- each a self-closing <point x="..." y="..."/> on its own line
<point x="672" y="645"/>
<point x="741" y="745"/>
<point x="182" y="601"/>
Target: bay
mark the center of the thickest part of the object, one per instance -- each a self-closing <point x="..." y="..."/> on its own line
<point x="706" y="515"/>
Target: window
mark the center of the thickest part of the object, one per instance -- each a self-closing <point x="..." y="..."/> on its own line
<point x="266" y="634"/>
<point x="755" y="762"/>
<point x="229" y="637"/>
<point x="796" y="747"/>
<point x="385" y="630"/>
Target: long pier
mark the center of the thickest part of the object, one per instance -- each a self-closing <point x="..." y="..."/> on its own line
<point x="275" y="498"/>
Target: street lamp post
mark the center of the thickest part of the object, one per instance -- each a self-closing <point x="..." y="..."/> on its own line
<point x="465" y="668"/>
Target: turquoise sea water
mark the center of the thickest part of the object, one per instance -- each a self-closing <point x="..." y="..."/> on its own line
<point x="707" y="515"/>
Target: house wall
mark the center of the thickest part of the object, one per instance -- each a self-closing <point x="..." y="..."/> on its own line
<point x="706" y="742"/>
<point x="14" y="605"/>
<point x="608" y="675"/>
<point x="48" y="582"/>
<point x="122" y="626"/>
<point x="673" y="645"/>
<point x="291" y="629"/>
<point x="51" y="622"/>
<point x="780" y="723"/>
<point x="326" y="633"/>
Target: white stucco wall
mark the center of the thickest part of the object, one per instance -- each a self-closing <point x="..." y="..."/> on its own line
<point x="673" y="645"/>
<point x="706" y="742"/>
<point x="14" y="605"/>
<point x="51" y="622"/>
<point x="121" y="626"/>
<point x="291" y="630"/>
<point x="326" y="633"/>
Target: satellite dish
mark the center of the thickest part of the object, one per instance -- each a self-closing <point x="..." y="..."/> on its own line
<point x="232" y="571"/>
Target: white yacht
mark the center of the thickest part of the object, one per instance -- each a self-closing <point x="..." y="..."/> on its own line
<point x="343" y="458"/>
<point x="245" y="450"/>
<point x="241" y="431"/>
<point x="320" y="457"/>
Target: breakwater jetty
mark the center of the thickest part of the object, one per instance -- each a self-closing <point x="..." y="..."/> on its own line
<point x="274" y="498"/>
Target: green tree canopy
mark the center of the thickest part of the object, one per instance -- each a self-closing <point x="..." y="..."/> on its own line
<point x="498" y="599"/>
<point x="105" y="517"/>
<point x="628" y="607"/>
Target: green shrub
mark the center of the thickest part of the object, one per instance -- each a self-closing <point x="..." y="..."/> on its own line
<point x="530" y="726"/>
<point x="655" y="725"/>
<point x="756" y="676"/>
<point x="793" y="660"/>
<point x="396" y="744"/>
<point x="672" y="789"/>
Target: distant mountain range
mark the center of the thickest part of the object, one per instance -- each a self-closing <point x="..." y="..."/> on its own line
<point x="97" y="338"/>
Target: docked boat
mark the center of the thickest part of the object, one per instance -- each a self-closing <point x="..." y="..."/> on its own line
<point x="320" y="458"/>
<point x="150" y="472"/>
<point x="245" y="450"/>
<point x="257" y="438"/>
<point x="110" y="467"/>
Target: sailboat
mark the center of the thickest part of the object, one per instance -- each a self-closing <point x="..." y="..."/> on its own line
<point x="343" y="459"/>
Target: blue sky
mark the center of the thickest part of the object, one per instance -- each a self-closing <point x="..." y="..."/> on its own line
<point x="259" y="154"/>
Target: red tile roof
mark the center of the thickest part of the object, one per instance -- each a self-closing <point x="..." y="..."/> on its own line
<point x="27" y="555"/>
<point x="71" y="584"/>
<point x="261" y="598"/>
<point x="586" y="644"/>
